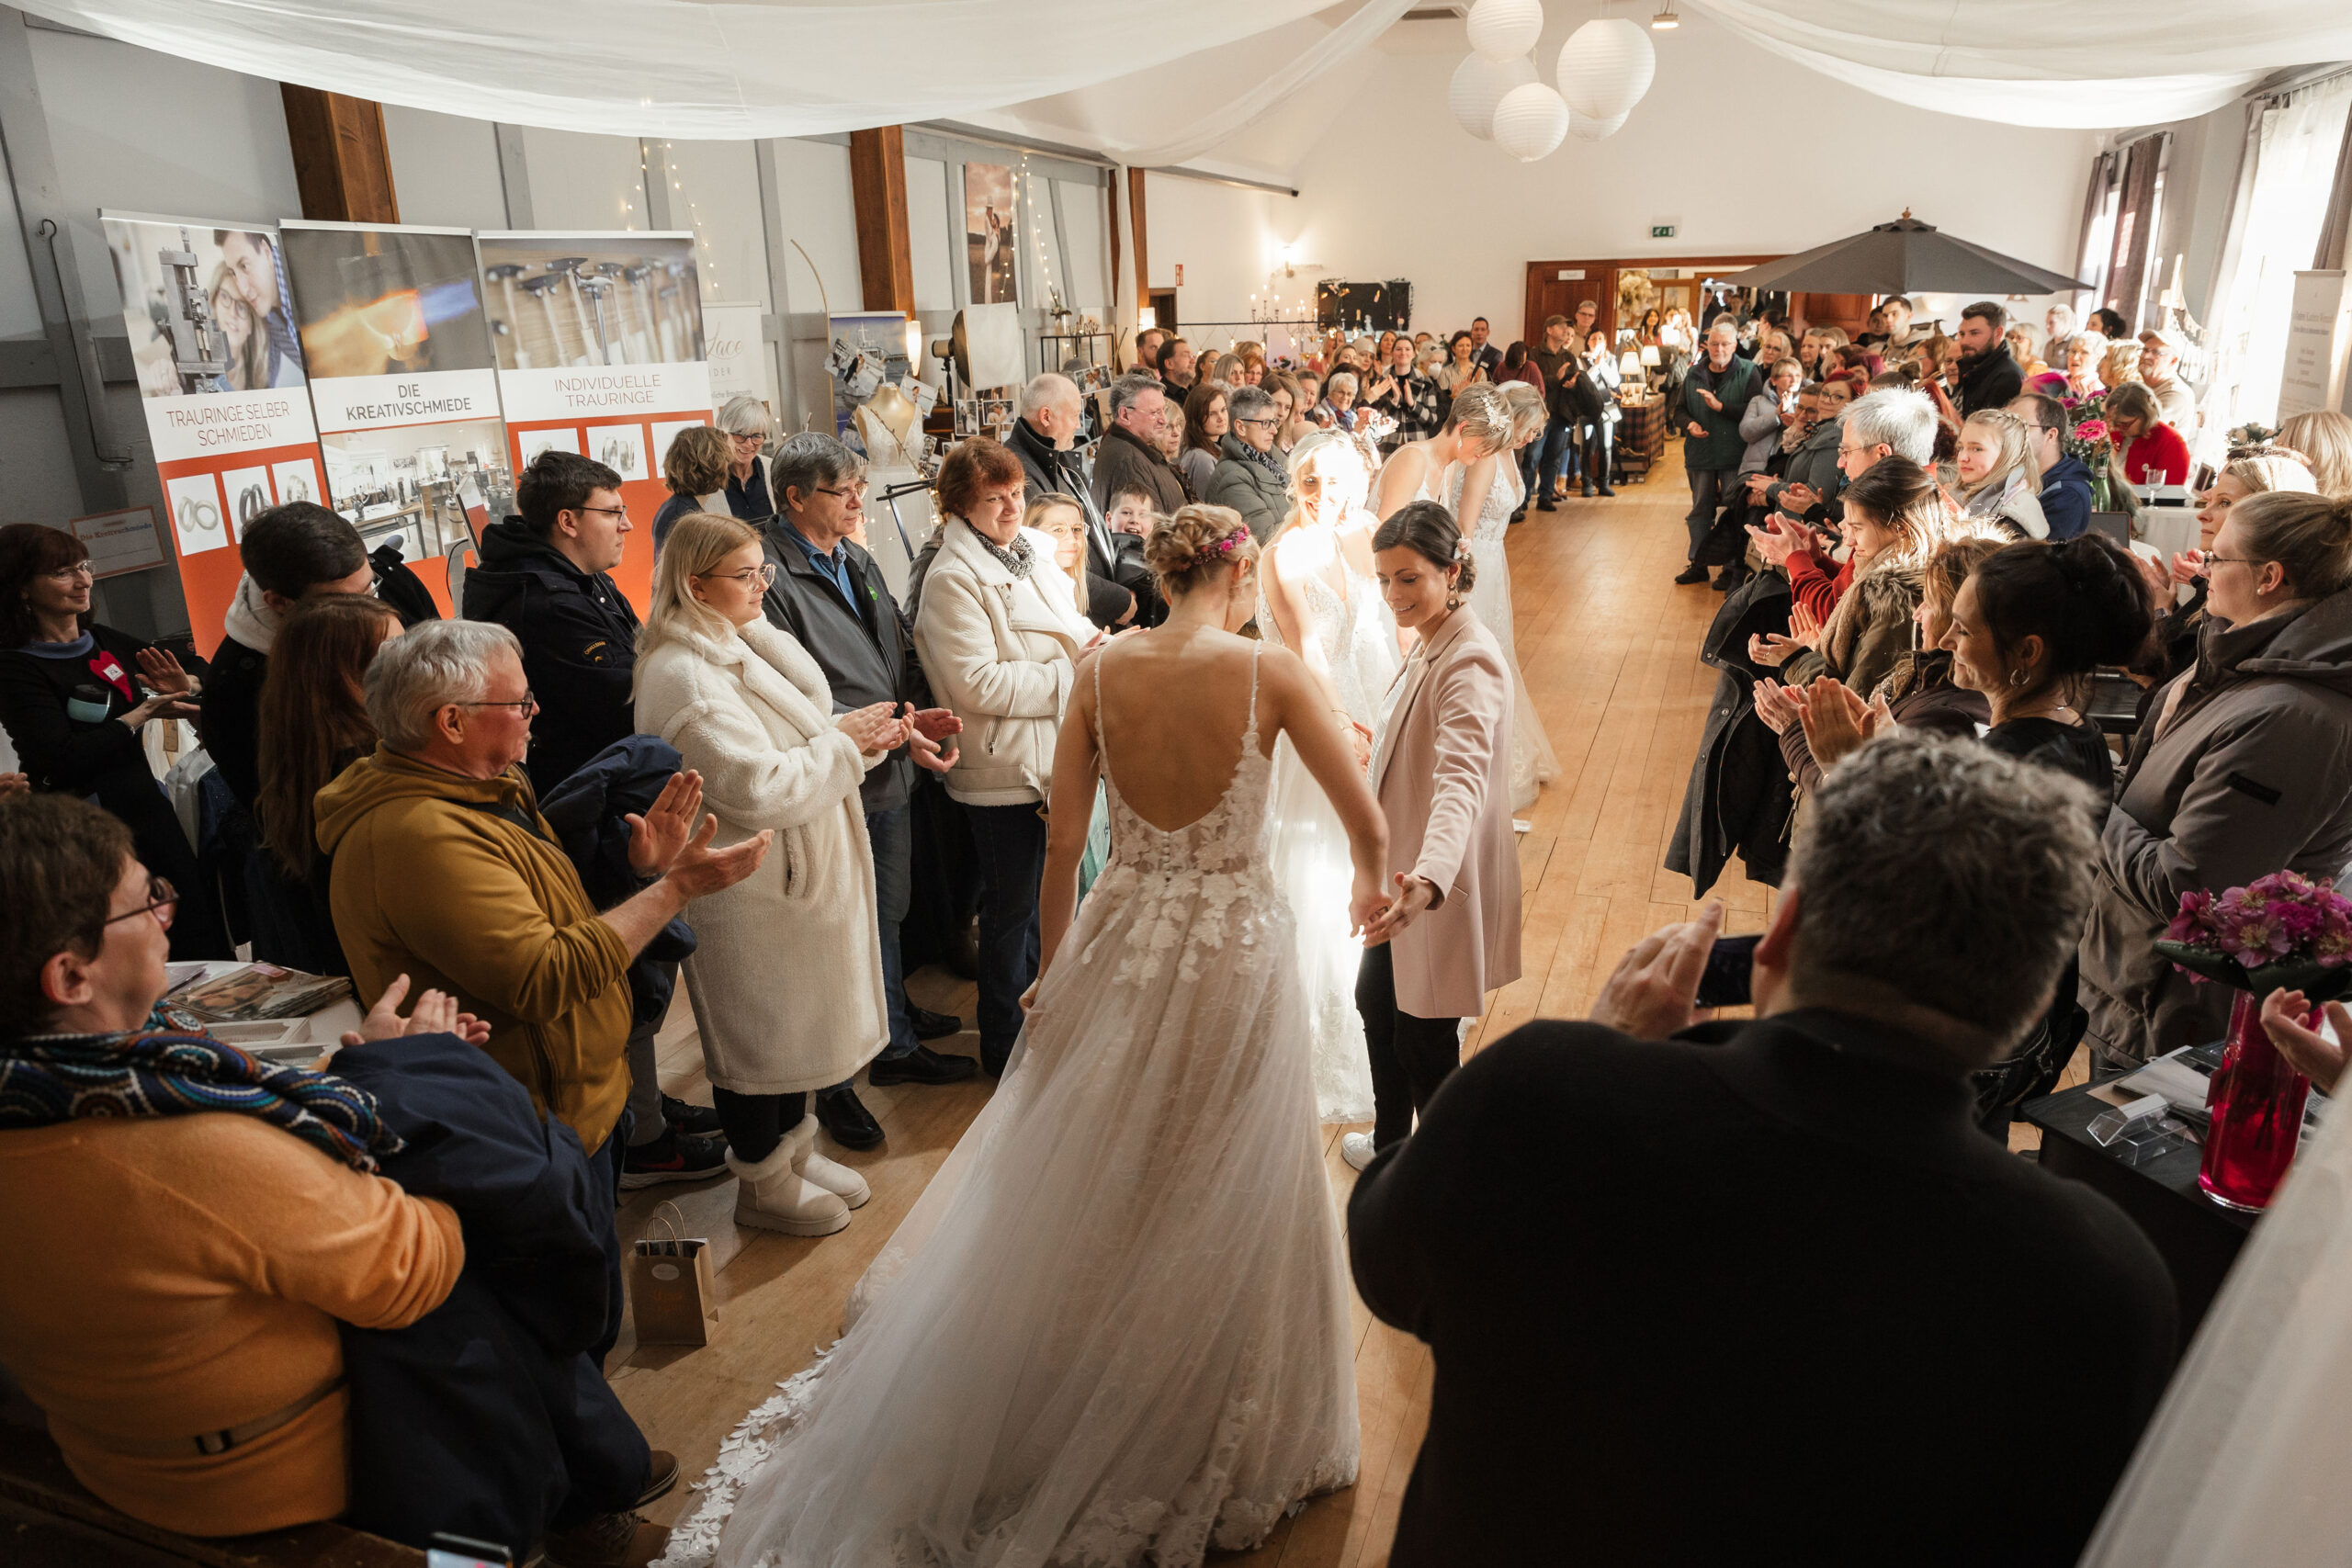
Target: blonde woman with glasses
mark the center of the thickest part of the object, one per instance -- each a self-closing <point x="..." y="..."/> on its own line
<point x="749" y="709"/>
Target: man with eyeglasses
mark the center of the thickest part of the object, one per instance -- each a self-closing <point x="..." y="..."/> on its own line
<point x="2065" y="481"/>
<point x="1119" y="591"/>
<point x="829" y="594"/>
<point x="546" y="577"/>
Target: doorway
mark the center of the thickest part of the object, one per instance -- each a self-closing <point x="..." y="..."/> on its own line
<point x="1557" y="288"/>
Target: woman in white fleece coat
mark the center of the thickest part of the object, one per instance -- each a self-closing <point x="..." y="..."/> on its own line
<point x="787" y="976"/>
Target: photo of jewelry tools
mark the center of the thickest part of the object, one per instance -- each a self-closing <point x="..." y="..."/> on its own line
<point x="562" y="302"/>
<point x="207" y="307"/>
<point x="386" y="301"/>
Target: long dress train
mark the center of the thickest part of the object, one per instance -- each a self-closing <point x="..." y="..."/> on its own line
<point x="1114" y="1330"/>
<point x="1532" y="762"/>
<point x="1310" y="849"/>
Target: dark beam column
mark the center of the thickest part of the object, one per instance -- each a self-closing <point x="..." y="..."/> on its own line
<point x="1143" y="247"/>
<point x="877" y="180"/>
<point x="341" y="161"/>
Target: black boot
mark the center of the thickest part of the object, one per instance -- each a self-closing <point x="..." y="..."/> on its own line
<point x="840" y="1113"/>
<point x="1695" y="572"/>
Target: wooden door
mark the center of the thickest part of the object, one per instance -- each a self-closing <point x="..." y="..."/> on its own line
<point x="1851" y="312"/>
<point x="1557" y="288"/>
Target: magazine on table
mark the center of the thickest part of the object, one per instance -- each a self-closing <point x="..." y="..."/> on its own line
<point x="259" y="991"/>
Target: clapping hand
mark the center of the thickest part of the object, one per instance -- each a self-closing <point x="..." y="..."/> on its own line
<point x="1776" y="706"/>
<point x="1777" y="540"/>
<point x="1837" y="721"/>
<point x="1772" y="649"/>
<point x="2290" y="1020"/>
<point x="2186" y="567"/>
<point x="1654" y="990"/>
<point x="435" y="1013"/>
<point x="1799" y="496"/>
<point x="699" y="869"/>
<point x="926" y="728"/>
<point x="1697" y="430"/>
<point x="1805" y="626"/>
<point x="1757" y="485"/>
<point x="1712" y="400"/>
<point x="876" y="728"/>
<point x="655" y="838"/>
<point x="15" y="784"/>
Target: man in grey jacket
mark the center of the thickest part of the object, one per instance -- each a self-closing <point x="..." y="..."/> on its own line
<point x="829" y="594"/>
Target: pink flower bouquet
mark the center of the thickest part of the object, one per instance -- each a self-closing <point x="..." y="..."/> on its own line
<point x="2280" y="932"/>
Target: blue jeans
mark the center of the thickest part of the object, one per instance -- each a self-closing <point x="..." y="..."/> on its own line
<point x="1559" y="442"/>
<point x="1009" y="843"/>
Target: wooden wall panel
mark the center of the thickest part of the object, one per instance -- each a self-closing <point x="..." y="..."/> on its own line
<point x="878" y="177"/>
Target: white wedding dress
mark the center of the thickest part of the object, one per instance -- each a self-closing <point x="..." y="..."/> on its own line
<point x="1311" y="862"/>
<point x="1533" y="763"/>
<point x="1114" y="1330"/>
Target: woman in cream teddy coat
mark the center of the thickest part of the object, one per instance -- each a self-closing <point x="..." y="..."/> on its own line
<point x="786" y="977"/>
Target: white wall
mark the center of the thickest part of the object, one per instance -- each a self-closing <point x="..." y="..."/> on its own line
<point x="444" y="169"/>
<point x="1225" y="238"/>
<point x="1424" y="200"/>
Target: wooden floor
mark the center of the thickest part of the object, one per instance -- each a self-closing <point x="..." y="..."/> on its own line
<point x="1609" y="645"/>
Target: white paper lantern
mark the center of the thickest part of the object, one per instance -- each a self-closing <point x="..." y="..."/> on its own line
<point x="1584" y="127"/>
<point x="1479" y="86"/>
<point x="1605" y="67"/>
<point x="1531" y="122"/>
<point x="1505" y="30"/>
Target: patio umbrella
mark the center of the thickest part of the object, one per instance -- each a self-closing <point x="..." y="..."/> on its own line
<point x="1905" y="257"/>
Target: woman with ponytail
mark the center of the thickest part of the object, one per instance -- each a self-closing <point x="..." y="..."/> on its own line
<point x="1442" y="769"/>
<point x="2244" y="766"/>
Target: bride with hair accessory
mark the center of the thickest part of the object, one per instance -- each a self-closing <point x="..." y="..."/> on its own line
<point x="1316" y="596"/>
<point x="1482" y="491"/>
<point x="1114" y="1329"/>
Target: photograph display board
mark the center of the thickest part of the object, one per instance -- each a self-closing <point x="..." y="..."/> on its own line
<point x="220" y="379"/>
<point x="991" y="233"/>
<point x="404" y="383"/>
<point x="600" y="351"/>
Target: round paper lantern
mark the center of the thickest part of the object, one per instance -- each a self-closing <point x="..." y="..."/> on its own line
<point x="1505" y="30"/>
<point x="1530" y="122"/>
<point x="1584" y="127"/>
<point x="1605" y="67"/>
<point x="1479" y="86"/>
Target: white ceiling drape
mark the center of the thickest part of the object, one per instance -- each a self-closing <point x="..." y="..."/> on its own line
<point x="2087" y="64"/>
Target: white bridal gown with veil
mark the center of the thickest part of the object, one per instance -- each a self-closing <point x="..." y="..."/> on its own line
<point x="1114" y="1330"/>
<point x="1310" y="849"/>
<point x="1532" y="762"/>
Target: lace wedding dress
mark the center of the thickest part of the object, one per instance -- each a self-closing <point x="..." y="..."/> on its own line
<point x="1310" y="849"/>
<point x="1114" y="1330"/>
<point x="1532" y="762"/>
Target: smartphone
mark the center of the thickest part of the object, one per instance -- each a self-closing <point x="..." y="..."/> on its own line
<point x="1730" y="963"/>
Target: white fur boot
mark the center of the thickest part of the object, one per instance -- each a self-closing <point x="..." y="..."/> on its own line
<point x="775" y="1196"/>
<point x="818" y="1171"/>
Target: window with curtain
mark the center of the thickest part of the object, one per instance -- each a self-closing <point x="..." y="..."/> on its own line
<point x="2296" y="147"/>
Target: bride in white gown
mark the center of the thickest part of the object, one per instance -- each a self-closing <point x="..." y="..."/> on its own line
<point x="1316" y="597"/>
<point x="1115" y="1328"/>
<point x="1482" y="494"/>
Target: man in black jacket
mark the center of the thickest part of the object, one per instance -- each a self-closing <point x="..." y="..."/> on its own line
<point x="546" y="577"/>
<point x="1119" y="591"/>
<point x="829" y="593"/>
<point x="290" y="552"/>
<point x="1990" y="375"/>
<point x="1782" y="1301"/>
<point x="1564" y="403"/>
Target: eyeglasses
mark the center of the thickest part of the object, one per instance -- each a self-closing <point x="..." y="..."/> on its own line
<point x="621" y="512"/>
<point x="2212" y="559"/>
<point x="765" y="571"/>
<point x="1247" y="421"/>
<point x="754" y="440"/>
<point x="163" y="902"/>
<point x="68" y="573"/>
<point x="524" y="708"/>
<point x="846" y="492"/>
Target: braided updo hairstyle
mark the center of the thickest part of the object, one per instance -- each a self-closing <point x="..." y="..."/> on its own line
<point x="2085" y="599"/>
<point x="1186" y="550"/>
<point x="1428" y="530"/>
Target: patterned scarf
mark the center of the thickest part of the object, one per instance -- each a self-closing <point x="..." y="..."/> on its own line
<point x="160" y="1071"/>
<point x="1269" y="460"/>
<point x="1016" y="560"/>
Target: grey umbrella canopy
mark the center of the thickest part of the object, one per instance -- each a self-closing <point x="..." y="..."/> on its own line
<point x="1905" y="257"/>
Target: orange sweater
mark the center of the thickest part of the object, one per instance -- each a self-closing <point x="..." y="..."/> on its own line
<point x="177" y="1275"/>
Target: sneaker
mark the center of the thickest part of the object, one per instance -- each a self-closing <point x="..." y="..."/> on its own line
<point x="661" y="1476"/>
<point x="1356" y="1148"/>
<point x="1605" y="490"/>
<point x="673" y="1157"/>
<point x="608" y="1540"/>
<point x="930" y="1025"/>
<point x="921" y="1064"/>
<point x="840" y="1113"/>
<point x="1695" y="572"/>
<point x="688" y="1117"/>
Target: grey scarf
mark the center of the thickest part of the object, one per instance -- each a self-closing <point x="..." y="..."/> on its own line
<point x="1016" y="560"/>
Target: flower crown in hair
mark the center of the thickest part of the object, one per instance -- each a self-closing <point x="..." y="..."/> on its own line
<point x="1226" y="547"/>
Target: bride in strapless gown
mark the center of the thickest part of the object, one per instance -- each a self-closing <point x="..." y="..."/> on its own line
<point x="1492" y="483"/>
<point x="1317" y="597"/>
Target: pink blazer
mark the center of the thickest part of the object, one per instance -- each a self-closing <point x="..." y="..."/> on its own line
<point x="1443" y="772"/>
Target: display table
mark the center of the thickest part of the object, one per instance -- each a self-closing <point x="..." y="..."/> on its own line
<point x="2197" y="1237"/>
<point x="1641" y="439"/>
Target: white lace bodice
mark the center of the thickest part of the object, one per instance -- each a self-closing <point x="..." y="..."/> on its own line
<point x="1213" y="868"/>
<point x="1358" y="636"/>
<point x="1503" y="496"/>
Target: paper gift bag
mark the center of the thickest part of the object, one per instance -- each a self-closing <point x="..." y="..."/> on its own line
<point x="670" y="1287"/>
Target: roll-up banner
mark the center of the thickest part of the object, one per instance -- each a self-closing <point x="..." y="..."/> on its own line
<point x="600" y="352"/>
<point x="405" y="385"/>
<point x="220" y="375"/>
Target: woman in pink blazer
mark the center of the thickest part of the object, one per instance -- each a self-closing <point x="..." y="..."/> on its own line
<point x="1449" y="933"/>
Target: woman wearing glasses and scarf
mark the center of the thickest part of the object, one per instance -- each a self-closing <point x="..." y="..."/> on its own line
<point x="749" y="709"/>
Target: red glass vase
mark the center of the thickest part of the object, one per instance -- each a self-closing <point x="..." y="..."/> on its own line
<point x="2256" y="1102"/>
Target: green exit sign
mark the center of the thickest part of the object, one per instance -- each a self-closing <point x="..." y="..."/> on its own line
<point x="1661" y="230"/>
